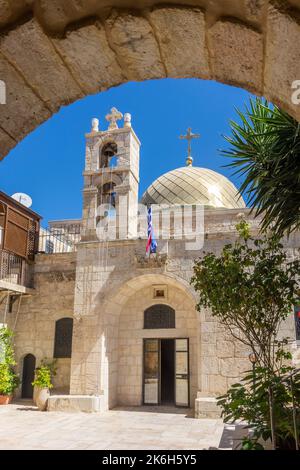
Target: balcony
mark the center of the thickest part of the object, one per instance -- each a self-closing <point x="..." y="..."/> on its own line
<point x="60" y="237"/>
<point x="14" y="273"/>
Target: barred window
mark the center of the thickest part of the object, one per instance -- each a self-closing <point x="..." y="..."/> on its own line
<point x="159" y="316"/>
<point x="63" y="338"/>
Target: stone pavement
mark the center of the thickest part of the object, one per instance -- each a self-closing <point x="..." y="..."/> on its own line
<point x="22" y="426"/>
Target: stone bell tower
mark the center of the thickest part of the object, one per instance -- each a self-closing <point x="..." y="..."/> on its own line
<point x="111" y="178"/>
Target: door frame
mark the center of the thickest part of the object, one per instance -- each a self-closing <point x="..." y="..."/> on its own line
<point x="23" y="372"/>
<point x="188" y="373"/>
<point x="159" y="372"/>
<point x="143" y="372"/>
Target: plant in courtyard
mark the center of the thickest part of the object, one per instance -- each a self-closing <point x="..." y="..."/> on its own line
<point x="9" y="380"/>
<point x="251" y="287"/>
<point x="44" y="374"/>
<point x="265" y="149"/>
<point x="249" y="401"/>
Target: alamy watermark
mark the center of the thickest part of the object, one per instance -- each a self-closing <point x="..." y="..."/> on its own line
<point x="178" y="222"/>
<point x="296" y="94"/>
<point x="2" y="92"/>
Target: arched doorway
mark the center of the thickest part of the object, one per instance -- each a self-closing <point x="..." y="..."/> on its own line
<point x="28" y="375"/>
<point x="142" y="316"/>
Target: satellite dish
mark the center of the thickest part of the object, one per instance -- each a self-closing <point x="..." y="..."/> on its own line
<point x="23" y="198"/>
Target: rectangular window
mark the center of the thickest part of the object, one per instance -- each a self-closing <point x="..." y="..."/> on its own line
<point x="160" y="292"/>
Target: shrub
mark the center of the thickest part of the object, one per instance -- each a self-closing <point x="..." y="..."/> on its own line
<point x="9" y="380"/>
<point x="44" y="374"/>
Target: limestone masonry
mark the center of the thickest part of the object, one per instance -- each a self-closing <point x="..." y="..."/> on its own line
<point x="123" y="324"/>
<point x="74" y="49"/>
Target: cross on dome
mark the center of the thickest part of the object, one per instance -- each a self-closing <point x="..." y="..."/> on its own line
<point x="189" y="137"/>
<point x="113" y="117"/>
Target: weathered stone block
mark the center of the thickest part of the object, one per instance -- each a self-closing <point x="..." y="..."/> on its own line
<point x="73" y="403"/>
<point x="6" y="143"/>
<point x="133" y="40"/>
<point x="87" y="53"/>
<point x="23" y="110"/>
<point x="233" y="367"/>
<point x="206" y="407"/>
<point x="40" y="65"/>
<point x="210" y="365"/>
<point x="282" y="57"/>
<point x="217" y="384"/>
<point x="225" y="349"/>
<point x="181" y="36"/>
<point x="236" y="55"/>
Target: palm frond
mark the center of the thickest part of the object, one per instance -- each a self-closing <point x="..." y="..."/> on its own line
<point x="264" y="148"/>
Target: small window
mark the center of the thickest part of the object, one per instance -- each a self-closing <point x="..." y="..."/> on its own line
<point x="63" y="338"/>
<point x="159" y="316"/>
<point x="297" y="323"/>
<point x="160" y="292"/>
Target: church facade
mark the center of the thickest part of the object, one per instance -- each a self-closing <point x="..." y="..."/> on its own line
<point x="121" y="324"/>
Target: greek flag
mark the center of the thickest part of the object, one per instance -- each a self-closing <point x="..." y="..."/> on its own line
<point x="151" y="243"/>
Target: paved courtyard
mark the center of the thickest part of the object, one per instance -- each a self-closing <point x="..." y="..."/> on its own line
<point x="22" y="426"/>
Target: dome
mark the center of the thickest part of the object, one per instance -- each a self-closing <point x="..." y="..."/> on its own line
<point x="194" y="185"/>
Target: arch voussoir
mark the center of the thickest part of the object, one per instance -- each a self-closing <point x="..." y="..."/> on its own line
<point x="52" y="54"/>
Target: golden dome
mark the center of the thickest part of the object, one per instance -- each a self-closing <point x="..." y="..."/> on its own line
<point x="194" y="185"/>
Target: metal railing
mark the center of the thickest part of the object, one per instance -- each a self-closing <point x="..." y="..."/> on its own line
<point x="13" y="269"/>
<point x="58" y="240"/>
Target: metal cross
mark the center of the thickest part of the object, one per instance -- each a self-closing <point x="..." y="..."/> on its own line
<point x="113" y="117"/>
<point x="189" y="137"/>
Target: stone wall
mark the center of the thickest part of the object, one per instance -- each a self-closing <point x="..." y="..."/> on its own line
<point x="114" y="284"/>
<point x="113" y="287"/>
<point x="76" y="48"/>
<point x="54" y="282"/>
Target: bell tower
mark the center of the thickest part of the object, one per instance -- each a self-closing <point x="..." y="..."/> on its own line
<point x="111" y="178"/>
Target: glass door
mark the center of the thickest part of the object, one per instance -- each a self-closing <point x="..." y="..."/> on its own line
<point x="182" y="386"/>
<point x="151" y="371"/>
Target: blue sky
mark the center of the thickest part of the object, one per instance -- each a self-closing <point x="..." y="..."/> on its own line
<point x="48" y="163"/>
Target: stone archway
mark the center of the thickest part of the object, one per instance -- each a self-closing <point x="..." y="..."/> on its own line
<point x="73" y="50"/>
<point x="28" y="369"/>
<point x="131" y="335"/>
<point x="104" y="357"/>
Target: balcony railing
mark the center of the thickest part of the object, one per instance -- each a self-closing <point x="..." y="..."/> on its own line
<point x="59" y="239"/>
<point x="14" y="269"/>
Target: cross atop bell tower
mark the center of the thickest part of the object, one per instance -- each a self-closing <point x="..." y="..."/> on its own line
<point x="189" y="137"/>
<point x="113" y="118"/>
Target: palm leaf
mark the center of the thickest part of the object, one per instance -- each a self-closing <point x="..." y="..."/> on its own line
<point x="264" y="148"/>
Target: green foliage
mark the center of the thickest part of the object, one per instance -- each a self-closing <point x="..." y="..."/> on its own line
<point x="9" y="381"/>
<point x="251" y="444"/>
<point x="265" y="148"/>
<point x="249" y="401"/>
<point x="44" y="374"/>
<point x="6" y="346"/>
<point x="251" y="287"/>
